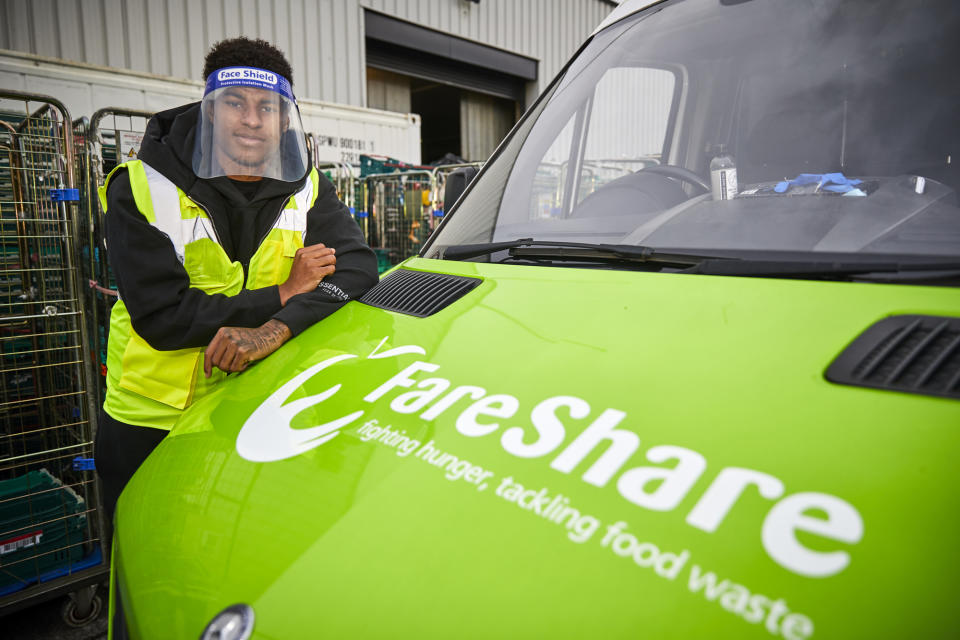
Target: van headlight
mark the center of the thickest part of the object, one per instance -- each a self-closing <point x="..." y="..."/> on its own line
<point x="233" y="623"/>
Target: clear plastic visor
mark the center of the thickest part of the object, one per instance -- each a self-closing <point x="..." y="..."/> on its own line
<point x="248" y="131"/>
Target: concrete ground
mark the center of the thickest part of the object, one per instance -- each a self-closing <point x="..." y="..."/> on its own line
<point x="44" y="621"/>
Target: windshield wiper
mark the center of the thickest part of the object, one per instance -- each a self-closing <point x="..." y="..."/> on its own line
<point x="694" y="263"/>
<point x="562" y="250"/>
<point x="815" y="268"/>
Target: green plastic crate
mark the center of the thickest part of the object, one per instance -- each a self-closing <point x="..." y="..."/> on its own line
<point x="42" y="527"/>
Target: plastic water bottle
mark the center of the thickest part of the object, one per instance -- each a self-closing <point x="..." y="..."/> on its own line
<point x="723" y="175"/>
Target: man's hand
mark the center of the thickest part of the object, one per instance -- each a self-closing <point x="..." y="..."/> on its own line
<point x="234" y="348"/>
<point x="310" y="266"/>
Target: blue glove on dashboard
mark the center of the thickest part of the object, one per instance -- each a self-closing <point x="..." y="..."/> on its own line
<point x="833" y="182"/>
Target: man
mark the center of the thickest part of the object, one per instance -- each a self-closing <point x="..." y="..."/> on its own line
<point x="225" y="242"/>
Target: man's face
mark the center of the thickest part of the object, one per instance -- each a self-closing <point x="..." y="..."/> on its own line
<point x="248" y="124"/>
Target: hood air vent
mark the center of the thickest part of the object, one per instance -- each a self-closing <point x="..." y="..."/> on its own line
<point x="913" y="354"/>
<point x="418" y="293"/>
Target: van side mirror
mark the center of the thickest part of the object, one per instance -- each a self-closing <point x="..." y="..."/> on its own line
<point x="456" y="184"/>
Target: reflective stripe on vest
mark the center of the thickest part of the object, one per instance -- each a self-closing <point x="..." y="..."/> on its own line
<point x="150" y="387"/>
<point x="170" y="219"/>
<point x="183" y="228"/>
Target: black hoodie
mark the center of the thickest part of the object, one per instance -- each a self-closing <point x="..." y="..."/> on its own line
<point x="153" y="284"/>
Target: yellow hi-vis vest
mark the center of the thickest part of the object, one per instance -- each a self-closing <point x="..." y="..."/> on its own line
<point x="151" y="388"/>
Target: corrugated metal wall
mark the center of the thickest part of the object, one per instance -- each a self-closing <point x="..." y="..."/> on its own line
<point x="484" y="121"/>
<point x="323" y="38"/>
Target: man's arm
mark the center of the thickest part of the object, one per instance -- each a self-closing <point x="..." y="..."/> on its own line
<point x="310" y="266"/>
<point x="329" y="221"/>
<point x="234" y="348"/>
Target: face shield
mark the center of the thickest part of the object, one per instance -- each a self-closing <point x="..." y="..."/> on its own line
<point x="249" y="126"/>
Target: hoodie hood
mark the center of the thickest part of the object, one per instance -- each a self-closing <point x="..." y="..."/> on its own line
<point x="168" y="144"/>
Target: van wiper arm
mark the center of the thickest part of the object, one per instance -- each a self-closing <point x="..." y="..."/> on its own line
<point x="814" y="268"/>
<point x="561" y="250"/>
<point x="693" y="263"/>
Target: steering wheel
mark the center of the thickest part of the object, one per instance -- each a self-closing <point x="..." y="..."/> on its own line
<point x="645" y="192"/>
<point x="673" y="171"/>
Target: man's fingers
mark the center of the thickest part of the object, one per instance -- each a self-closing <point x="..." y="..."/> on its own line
<point x="319" y="268"/>
<point x="211" y="354"/>
<point x="227" y="357"/>
<point x="238" y="362"/>
<point x="312" y="247"/>
<point x="314" y="250"/>
<point x="314" y="265"/>
<point x="324" y="260"/>
<point x="220" y="352"/>
<point x="310" y="266"/>
<point x="230" y="365"/>
<point x="234" y="348"/>
<point x="207" y="370"/>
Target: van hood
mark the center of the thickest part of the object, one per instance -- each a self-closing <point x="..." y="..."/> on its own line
<point x="559" y="453"/>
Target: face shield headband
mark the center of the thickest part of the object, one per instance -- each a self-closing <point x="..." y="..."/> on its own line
<point x="249" y="125"/>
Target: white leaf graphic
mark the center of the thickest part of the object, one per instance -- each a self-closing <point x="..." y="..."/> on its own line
<point x="396" y="351"/>
<point x="267" y="436"/>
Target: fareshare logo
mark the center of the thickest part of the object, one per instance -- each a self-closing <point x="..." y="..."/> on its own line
<point x="603" y="448"/>
<point x="267" y="436"/>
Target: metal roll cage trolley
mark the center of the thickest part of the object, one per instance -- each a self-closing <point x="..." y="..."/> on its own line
<point x="52" y="534"/>
<point x="397" y="205"/>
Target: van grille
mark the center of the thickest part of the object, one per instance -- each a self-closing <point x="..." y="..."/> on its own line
<point x="914" y="354"/>
<point x="418" y="293"/>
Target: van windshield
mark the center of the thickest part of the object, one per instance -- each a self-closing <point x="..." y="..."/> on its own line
<point x="832" y="127"/>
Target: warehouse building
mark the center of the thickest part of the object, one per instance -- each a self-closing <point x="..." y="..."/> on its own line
<point x="412" y="79"/>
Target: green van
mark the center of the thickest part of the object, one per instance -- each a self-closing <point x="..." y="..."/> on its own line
<point x="683" y="362"/>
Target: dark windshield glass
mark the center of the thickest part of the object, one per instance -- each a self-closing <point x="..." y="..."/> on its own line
<point x="831" y="126"/>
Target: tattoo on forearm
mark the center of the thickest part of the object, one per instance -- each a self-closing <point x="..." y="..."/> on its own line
<point x="262" y="340"/>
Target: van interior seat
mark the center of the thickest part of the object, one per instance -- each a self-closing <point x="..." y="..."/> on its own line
<point x="795" y="139"/>
<point x="941" y="158"/>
